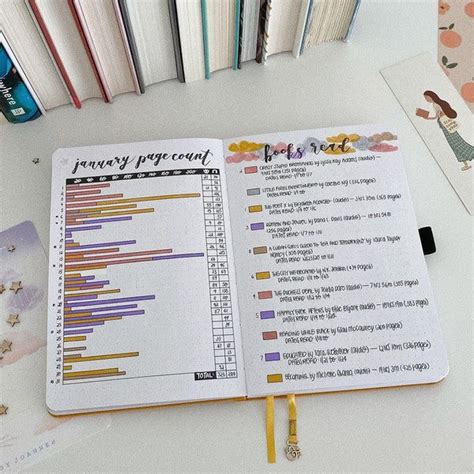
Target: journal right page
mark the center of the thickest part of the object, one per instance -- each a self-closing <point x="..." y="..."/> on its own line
<point x="332" y="282"/>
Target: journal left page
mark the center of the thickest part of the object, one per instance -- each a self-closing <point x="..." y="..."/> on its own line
<point x="142" y="298"/>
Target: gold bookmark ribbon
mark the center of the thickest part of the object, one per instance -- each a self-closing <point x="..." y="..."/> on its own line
<point x="270" y="430"/>
<point x="292" y="450"/>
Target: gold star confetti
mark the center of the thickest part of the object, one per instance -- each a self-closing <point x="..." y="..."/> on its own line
<point x="11" y="248"/>
<point x="5" y="346"/>
<point x="3" y="410"/>
<point x="13" y="319"/>
<point x="2" y="288"/>
<point x="16" y="286"/>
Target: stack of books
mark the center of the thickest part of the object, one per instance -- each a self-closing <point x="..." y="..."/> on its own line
<point x="54" y="52"/>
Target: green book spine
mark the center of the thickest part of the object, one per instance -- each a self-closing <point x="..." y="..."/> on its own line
<point x="205" y="39"/>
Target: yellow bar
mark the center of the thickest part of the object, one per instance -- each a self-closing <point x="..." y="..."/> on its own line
<point x="80" y="373"/>
<point x="94" y="320"/>
<point x="89" y="267"/>
<point x="274" y="378"/>
<point x="102" y="292"/>
<point x="67" y="367"/>
<point x="76" y="315"/>
<point x="94" y="209"/>
<point x="262" y="275"/>
<point x="118" y="213"/>
<point x="256" y="208"/>
<point x="153" y="198"/>
<point x="105" y="357"/>
<point x="74" y="338"/>
<point x="74" y="275"/>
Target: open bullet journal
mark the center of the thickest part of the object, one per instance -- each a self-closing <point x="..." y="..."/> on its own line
<point x="203" y="269"/>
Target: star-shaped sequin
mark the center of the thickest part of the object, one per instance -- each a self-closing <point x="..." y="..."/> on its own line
<point x="11" y="248"/>
<point x="13" y="319"/>
<point x="3" y="410"/>
<point x="16" y="286"/>
<point x="5" y="346"/>
<point x="2" y="288"/>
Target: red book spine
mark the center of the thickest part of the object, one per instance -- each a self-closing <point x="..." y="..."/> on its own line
<point x="54" y="52"/>
<point x="77" y="21"/>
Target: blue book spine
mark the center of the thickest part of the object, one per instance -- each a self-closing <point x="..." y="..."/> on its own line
<point x="16" y="102"/>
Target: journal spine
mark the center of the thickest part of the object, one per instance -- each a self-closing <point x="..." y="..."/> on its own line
<point x="176" y="40"/>
<point x="205" y="39"/>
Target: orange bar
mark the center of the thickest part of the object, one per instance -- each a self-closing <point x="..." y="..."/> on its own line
<point x="86" y="266"/>
<point x="80" y="193"/>
<point x="104" y="357"/>
<point x="74" y="282"/>
<point x="69" y="187"/>
<point x="95" y="320"/>
<point x="130" y="254"/>
<point x="93" y="293"/>
<point x="96" y="198"/>
<point x="143" y="199"/>
<point x="72" y="245"/>
<point x="83" y="252"/>
<point x="78" y="288"/>
<point x="118" y="213"/>
<point x="94" y="209"/>
<point x="67" y="367"/>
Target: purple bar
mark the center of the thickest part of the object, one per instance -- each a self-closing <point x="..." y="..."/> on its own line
<point x="106" y="315"/>
<point x="110" y="219"/>
<point x="88" y="277"/>
<point x="107" y="308"/>
<point x="69" y="241"/>
<point x="179" y="255"/>
<point x="79" y="331"/>
<point x="105" y="244"/>
<point x="68" y="235"/>
<point x="82" y="325"/>
<point x="113" y="300"/>
<point x="85" y="297"/>
<point x="267" y="314"/>
<point x="90" y="283"/>
<point x="79" y="229"/>
<point x="257" y="226"/>
<point x="272" y="356"/>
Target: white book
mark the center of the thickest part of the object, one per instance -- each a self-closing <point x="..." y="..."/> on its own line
<point x="249" y="29"/>
<point x="201" y="269"/>
<point x="191" y="38"/>
<point x="20" y="28"/>
<point x="59" y="21"/>
<point x="151" y="26"/>
<point x="101" y="28"/>
<point x="283" y="25"/>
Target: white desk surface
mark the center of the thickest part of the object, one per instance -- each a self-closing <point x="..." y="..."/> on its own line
<point x="422" y="428"/>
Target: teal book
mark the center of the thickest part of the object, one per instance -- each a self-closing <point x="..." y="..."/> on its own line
<point x="16" y="101"/>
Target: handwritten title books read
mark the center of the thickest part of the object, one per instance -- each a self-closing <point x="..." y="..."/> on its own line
<point x="202" y="269"/>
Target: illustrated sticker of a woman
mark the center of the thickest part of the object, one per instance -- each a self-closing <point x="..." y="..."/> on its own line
<point x="445" y="115"/>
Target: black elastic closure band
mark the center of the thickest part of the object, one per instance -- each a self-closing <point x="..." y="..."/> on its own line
<point x="427" y="240"/>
